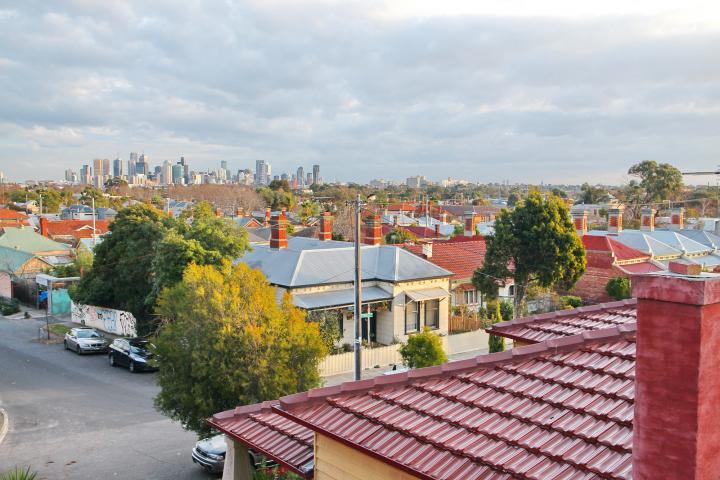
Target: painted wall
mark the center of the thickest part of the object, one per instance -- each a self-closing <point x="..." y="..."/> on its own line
<point x="108" y="320"/>
<point x="5" y="285"/>
<point x="335" y="461"/>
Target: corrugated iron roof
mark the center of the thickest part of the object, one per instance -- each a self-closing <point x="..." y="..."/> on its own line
<point x="559" y="409"/>
<point x="565" y="323"/>
<point x="309" y="261"/>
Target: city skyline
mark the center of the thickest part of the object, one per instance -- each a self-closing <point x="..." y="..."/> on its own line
<point x="558" y="92"/>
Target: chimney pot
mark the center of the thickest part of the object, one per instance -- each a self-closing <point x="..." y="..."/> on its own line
<point x="470" y="224"/>
<point x="325" y="232"/>
<point x="677" y="218"/>
<point x="615" y="220"/>
<point x="372" y="232"/>
<point x="580" y="219"/>
<point x="278" y="232"/>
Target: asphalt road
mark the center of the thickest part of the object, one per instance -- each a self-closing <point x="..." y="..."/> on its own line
<point x="75" y="417"/>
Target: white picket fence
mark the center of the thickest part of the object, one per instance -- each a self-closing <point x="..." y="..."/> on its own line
<point x="384" y="356"/>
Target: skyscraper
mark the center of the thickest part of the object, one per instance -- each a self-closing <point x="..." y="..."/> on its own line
<point x="106" y="167"/>
<point x="166" y="174"/>
<point x="132" y="164"/>
<point x="316" y="174"/>
<point x="86" y="174"/>
<point x="143" y="165"/>
<point x="98" y="167"/>
<point x="262" y="172"/>
<point x="309" y="181"/>
<point x="177" y="174"/>
<point x="300" y="177"/>
<point x="117" y="168"/>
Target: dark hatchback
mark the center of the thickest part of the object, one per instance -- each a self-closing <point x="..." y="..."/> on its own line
<point x="135" y="353"/>
<point x="210" y="455"/>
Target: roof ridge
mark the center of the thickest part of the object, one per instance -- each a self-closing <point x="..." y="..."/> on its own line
<point x="554" y="346"/>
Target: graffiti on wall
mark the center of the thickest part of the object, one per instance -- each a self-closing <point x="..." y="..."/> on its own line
<point x="108" y="320"/>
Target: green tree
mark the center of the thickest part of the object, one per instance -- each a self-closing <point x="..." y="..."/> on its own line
<point x="81" y="265"/>
<point x="506" y="310"/>
<point x="592" y="194"/>
<point x="619" y="288"/>
<point x="423" y="350"/>
<point x="328" y="322"/>
<point x="559" y="193"/>
<point x="225" y="341"/>
<point x="535" y="244"/>
<point x="658" y="181"/>
<point x="121" y="276"/>
<point x="495" y="342"/>
<point x="399" y="235"/>
<point x="513" y="199"/>
<point x="309" y="209"/>
<point x="570" y="301"/>
<point x="458" y="230"/>
<point x="50" y="199"/>
<point x="89" y="193"/>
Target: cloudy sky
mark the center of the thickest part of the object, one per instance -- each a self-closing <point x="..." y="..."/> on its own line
<point x="553" y="91"/>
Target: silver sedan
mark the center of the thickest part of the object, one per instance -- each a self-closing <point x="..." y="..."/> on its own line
<point x="85" y="340"/>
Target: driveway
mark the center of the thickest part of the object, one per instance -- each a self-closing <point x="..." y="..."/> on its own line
<point x="75" y="417"/>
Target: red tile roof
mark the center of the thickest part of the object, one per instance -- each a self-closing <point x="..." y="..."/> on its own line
<point x="75" y="228"/>
<point x="565" y="323"/>
<point x="12" y="218"/>
<point x="419" y="232"/>
<point x="603" y="243"/>
<point x="559" y="409"/>
<point x="461" y="258"/>
<point x="270" y="434"/>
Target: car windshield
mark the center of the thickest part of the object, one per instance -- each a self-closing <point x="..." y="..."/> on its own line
<point x="141" y="349"/>
<point x="87" y="334"/>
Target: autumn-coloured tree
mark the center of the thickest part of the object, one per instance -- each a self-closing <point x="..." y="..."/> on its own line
<point x="225" y="341"/>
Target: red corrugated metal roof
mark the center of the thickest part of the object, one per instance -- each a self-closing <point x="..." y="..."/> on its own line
<point x="564" y="323"/>
<point x="559" y="409"/>
<point x="461" y="258"/>
<point x="603" y="243"/>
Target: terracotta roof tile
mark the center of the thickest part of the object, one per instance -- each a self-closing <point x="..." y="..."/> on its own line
<point x="562" y="408"/>
<point x="460" y="258"/>
<point x="603" y="243"/>
<point x="75" y="228"/>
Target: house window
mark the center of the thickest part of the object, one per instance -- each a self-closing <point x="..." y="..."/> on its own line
<point x="412" y="317"/>
<point x="432" y="314"/>
<point x="511" y="290"/>
<point x="471" y="297"/>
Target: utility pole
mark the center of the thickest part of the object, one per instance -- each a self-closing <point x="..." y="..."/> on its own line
<point x="40" y="203"/>
<point x="427" y="213"/>
<point x="358" y="291"/>
<point x="94" y="231"/>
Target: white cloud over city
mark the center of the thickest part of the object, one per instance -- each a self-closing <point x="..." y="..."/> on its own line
<point x="557" y="93"/>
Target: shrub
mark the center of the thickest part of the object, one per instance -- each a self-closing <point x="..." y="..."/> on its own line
<point x="19" y="474"/>
<point x="8" y="306"/>
<point x="570" y="301"/>
<point x="496" y="343"/>
<point x="618" y="288"/>
<point x="506" y="311"/>
<point x="423" y="350"/>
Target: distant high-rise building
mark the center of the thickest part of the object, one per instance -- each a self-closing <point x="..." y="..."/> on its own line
<point x="143" y="165"/>
<point x="86" y="174"/>
<point x="316" y="174"/>
<point x="177" y="174"/>
<point x="117" y="168"/>
<point x="166" y="173"/>
<point x="98" y="167"/>
<point x="106" y="167"/>
<point x="308" y="180"/>
<point x="300" y="177"/>
<point x="284" y="176"/>
<point x="262" y="172"/>
<point x="70" y="176"/>
<point x="223" y="164"/>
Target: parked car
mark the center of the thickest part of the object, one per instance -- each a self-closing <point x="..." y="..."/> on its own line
<point x="135" y="353"/>
<point x="210" y="455"/>
<point x="85" y="340"/>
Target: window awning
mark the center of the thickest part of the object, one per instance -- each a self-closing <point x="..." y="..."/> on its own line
<point x="426" y="294"/>
<point x="339" y="298"/>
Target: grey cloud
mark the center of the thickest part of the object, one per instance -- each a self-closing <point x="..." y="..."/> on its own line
<point x="528" y="99"/>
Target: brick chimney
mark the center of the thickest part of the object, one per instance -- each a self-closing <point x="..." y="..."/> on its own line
<point x="580" y="220"/>
<point x="676" y="432"/>
<point x="218" y="212"/>
<point x="443" y="217"/>
<point x="268" y="212"/>
<point x="470" y="223"/>
<point x="372" y="234"/>
<point x="647" y="219"/>
<point x="427" y="249"/>
<point x="239" y="212"/>
<point x="44" y="227"/>
<point x="325" y="232"/>
<point x="615" y="220"/>
<point x="278" y="231"/>
<point x="677" y="218"/>
<point x="437" y="231"/>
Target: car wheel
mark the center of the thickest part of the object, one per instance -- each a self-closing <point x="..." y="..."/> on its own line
<point x="65" y="344"/>
<point x="111" y="359"/>
<point x="132" y="366"/>
<point x="77" y="349"/>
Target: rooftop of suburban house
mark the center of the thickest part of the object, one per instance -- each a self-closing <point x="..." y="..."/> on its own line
<point x="27" y="240"/>
<point x="562" y="408"/>
<point x="418" y="231"/>
<point x="310" y="261"/>
<point x="9" y="214"/>
<point x="461" y="258"/>
<point x="73" y="228"/>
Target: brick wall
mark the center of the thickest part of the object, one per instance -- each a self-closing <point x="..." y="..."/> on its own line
<point x="600" y="269"/>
